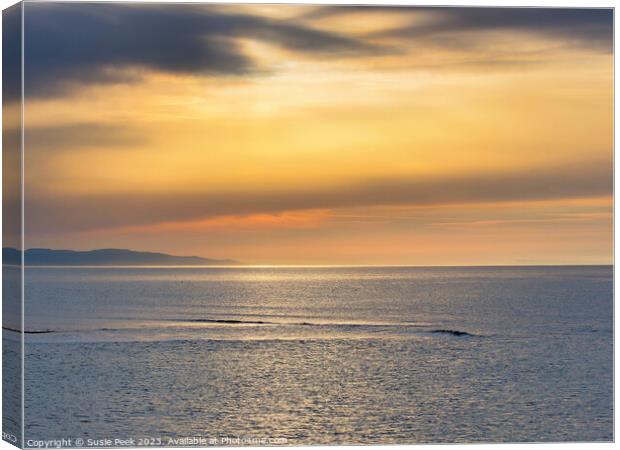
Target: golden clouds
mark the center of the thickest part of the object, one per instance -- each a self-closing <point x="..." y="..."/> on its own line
<point x="276" y="157"/>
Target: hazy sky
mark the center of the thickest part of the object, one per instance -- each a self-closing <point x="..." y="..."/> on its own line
<point x="277" y="134"/>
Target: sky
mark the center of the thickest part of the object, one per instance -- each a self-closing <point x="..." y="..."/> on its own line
<point x="301" y="134"/>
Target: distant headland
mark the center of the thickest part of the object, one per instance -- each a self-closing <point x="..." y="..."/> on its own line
<point x="104" y="257"/>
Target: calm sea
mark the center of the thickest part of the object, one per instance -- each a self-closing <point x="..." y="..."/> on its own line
<point x="320" y="355"/>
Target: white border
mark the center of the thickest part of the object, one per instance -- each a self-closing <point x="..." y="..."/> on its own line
<point x="503" y="3"/>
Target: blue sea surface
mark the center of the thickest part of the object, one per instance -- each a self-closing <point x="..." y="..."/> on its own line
<point x="320" y="355"/>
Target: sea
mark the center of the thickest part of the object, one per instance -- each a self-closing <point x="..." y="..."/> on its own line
<point x="169" y="356"/>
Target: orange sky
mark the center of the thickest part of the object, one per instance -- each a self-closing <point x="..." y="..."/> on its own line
<point x="276" y="134"/>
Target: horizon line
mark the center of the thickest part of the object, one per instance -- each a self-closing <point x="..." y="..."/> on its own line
<point x="236" y="263"/>
<point x="268" y="266"/>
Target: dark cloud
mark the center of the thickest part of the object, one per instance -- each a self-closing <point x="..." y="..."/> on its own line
<point x="588" y="27"/>
<point x="576" y="26"/>
<point x="69" y="44"/>
<point x="11" y="53"/>
<point x="48" y="215"/>
<point x="322" y="12"/>
<point x="74" y="43"/>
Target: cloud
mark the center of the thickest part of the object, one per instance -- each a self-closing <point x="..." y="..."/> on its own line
<point x="11" y="52"/>
<point x="592" y="28"/>
<point x="45" y="214"/>
<point x="71" y="44"/>
<point x="79" y="135"/>
<point x="464" y="27"/>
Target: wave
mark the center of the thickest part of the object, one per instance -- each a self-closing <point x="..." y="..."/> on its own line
<point x="28" y="331"/>
<point x="375" y="325"/>
<point x="305" y="323"/>
<point x="454" y="332"/>
<point x="229" y="321"/>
